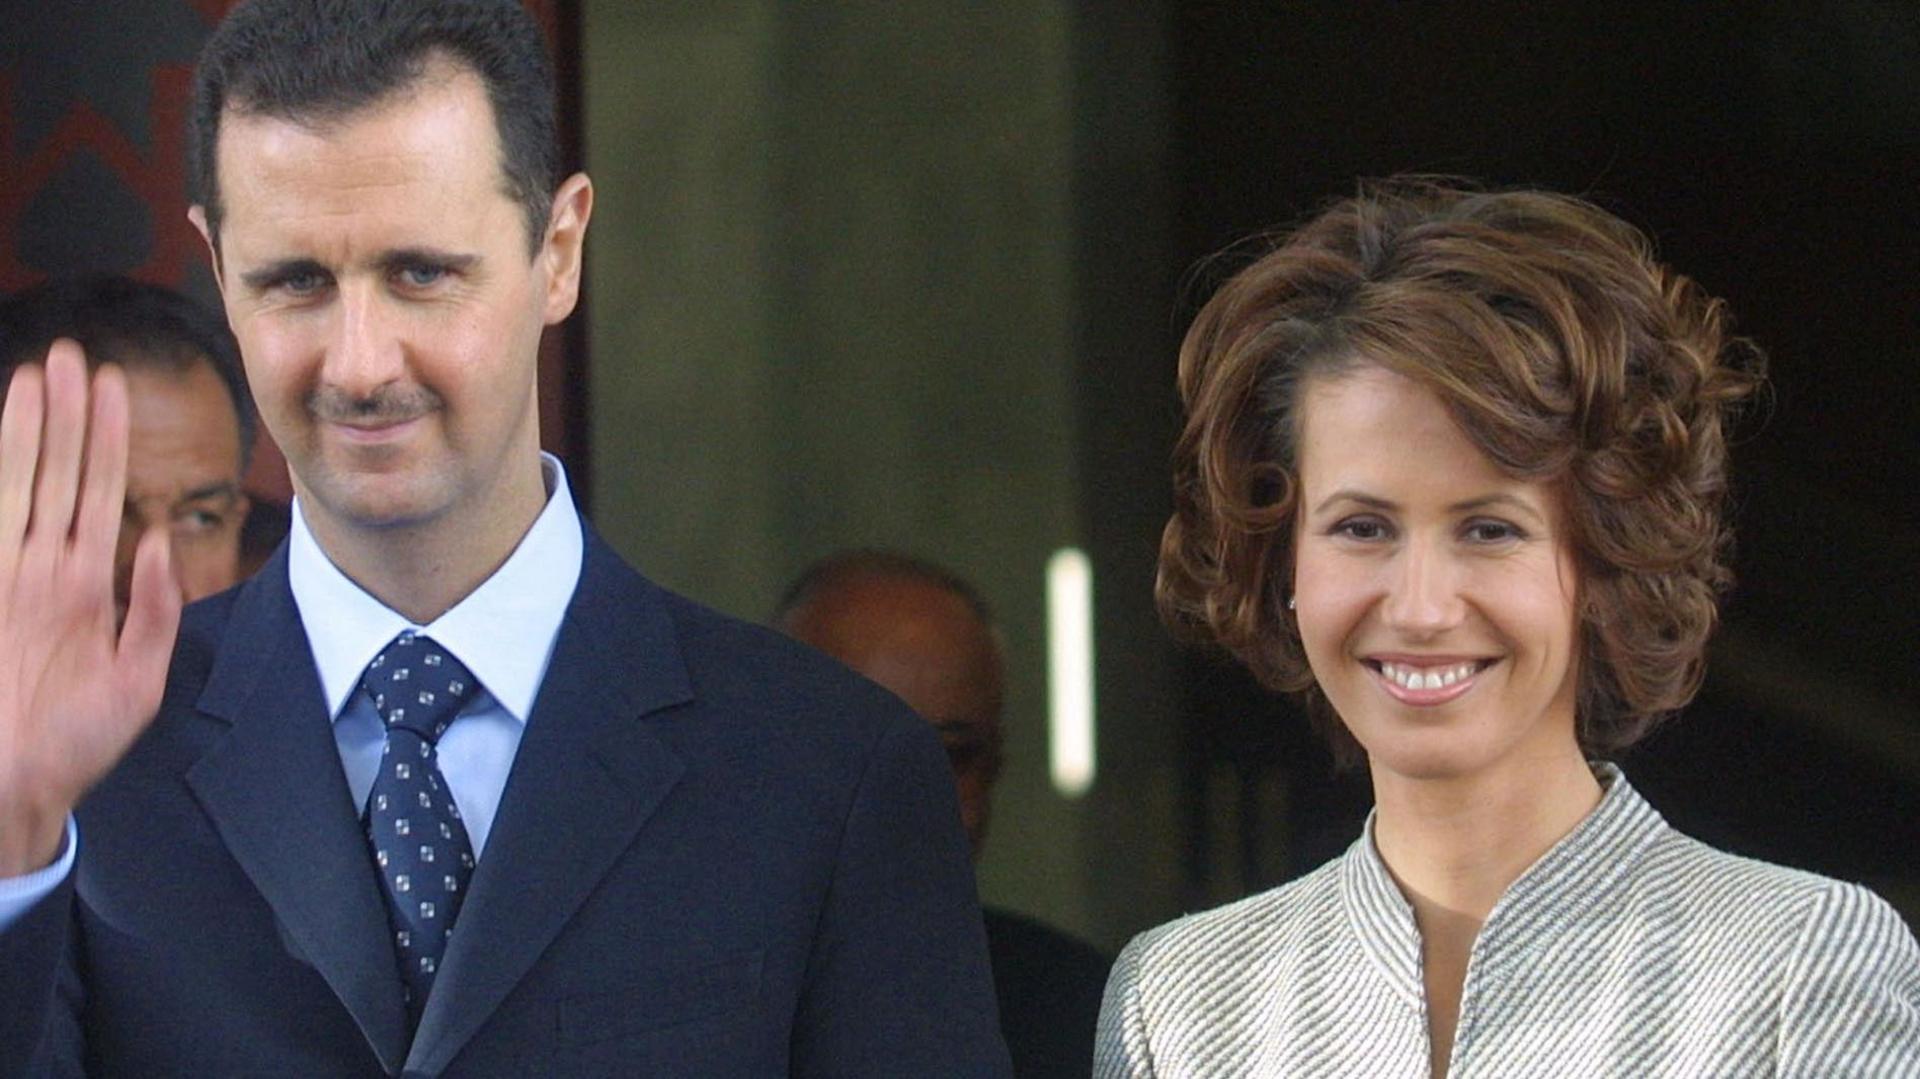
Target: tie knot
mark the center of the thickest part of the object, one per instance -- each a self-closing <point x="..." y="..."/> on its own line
<point x="417" y="686"/>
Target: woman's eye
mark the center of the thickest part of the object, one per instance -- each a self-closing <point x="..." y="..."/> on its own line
<point x="1492" y="532"/>
<point x="1361" y="528"/>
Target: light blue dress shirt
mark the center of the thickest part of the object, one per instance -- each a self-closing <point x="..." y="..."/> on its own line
<point x="503" y="632"/>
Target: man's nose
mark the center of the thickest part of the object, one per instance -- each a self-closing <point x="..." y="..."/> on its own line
<point x="365" y="352"/>
<point x="1423" y="590"/>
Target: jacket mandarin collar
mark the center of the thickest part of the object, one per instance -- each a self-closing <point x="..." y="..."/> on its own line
<point x="1558" y="888"/>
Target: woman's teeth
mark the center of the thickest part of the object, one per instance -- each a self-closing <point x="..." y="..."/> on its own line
<point x="1408" y="677"/>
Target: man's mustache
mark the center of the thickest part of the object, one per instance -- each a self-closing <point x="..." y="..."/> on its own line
<point x="387" y="405"/>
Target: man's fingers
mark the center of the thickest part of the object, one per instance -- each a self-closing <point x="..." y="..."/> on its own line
<point x="62" y="438"/>
<point x="153" y="619"/>
<point x="19" y="455"/>
<point x="104" y="484"/>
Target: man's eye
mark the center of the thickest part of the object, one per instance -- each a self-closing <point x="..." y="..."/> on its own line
<point x="422" y="275"/>
<point x="193" y="522"/>
<point x="302" y="282"/>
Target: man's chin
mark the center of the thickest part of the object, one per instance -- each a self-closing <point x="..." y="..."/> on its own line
<point x="375" y="501"/>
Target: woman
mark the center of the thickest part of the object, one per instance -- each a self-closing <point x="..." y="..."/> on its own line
<point x="1454" y="465"/>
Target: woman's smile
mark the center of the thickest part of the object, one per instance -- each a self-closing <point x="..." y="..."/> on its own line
<point x="1425" y="681"/>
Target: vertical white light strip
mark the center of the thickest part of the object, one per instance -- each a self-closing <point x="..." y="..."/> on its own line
<point x="1070" y="728"/>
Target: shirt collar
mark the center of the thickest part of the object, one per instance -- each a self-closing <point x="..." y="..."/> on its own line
<point x="503" y="631"/>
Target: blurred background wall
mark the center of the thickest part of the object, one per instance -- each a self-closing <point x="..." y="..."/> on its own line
<point x="913" y="274"/>
<point x="841" y="297"/>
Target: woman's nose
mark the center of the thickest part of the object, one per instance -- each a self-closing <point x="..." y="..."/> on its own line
<point x="1423" y="593"/>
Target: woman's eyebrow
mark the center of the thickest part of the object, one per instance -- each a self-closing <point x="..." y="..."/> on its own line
<point x="1486" y="501"/>
<point x="1350" y="494"/>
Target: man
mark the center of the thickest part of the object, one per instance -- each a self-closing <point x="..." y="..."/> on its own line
<point x="446" y="788"/>
<point x="191" y="422"/>
<point x="927" y="635"/>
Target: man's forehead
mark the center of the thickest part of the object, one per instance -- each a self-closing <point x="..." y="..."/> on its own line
<point x="184" y="432"/>
<point x="916" y="638"/>
<point x="442" y="82"/>
<point x="876" y="608"/>
<point x="436" y="134"/>
<point x="176" y="386"/>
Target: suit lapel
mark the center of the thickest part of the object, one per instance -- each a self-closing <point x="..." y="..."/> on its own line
<point x="586" y="777"/>
<point x="274" y="789"/>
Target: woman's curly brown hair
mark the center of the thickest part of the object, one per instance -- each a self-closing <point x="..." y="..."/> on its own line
<point x="1565" y="352"/>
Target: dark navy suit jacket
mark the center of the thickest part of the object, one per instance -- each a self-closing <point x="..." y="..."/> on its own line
<point x="717" y="854"/>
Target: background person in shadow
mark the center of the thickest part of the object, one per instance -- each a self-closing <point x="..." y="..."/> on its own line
<point x="924" y="633"/>
<point x="191" y="418"/>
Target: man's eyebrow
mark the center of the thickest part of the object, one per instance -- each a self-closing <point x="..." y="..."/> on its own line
<point x="275" y="272"/>
<point x="221" y="489"/>
<point x="403" y="257"/>
<point x="399" y="258"/>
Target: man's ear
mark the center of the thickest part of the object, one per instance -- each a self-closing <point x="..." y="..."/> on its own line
<point x="198" y="215"/>
<point x="563" y="246"/>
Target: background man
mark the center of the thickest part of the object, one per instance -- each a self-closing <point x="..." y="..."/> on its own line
<point x="191" y="419"/>
<point x="446" y="787"/>
<point x="927" y="635"/>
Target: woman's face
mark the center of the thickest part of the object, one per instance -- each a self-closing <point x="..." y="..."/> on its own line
<point x="1436" y="596"/>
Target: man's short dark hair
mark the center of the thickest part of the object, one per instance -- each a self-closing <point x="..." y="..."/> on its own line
<point x="313" y="62"/>
<point x="867" y="563"/>
<point x="130" y="323"/>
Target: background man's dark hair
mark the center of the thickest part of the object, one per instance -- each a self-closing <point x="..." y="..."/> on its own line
<point x="836" y="569"/>
<point x="126" y="322"/>
<point x="319" y="61"/>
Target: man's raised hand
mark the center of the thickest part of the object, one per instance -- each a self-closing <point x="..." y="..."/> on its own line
<point x="75" y="690"/>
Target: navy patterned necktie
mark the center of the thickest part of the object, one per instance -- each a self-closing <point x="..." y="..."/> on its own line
<point x="413" y="825"/>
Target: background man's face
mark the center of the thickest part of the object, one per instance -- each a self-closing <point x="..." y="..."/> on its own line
<point x="378" y="278"/>
<point x="183" y="473"/>
<point x="925" y="645"/>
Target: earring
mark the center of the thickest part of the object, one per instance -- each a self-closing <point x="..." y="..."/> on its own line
<point x="1290" y="603"/>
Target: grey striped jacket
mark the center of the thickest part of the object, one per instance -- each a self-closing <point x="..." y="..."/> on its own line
<point x="1626" y="950"/>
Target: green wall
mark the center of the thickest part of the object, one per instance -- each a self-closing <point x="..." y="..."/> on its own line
<point x="836" y="298"/>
